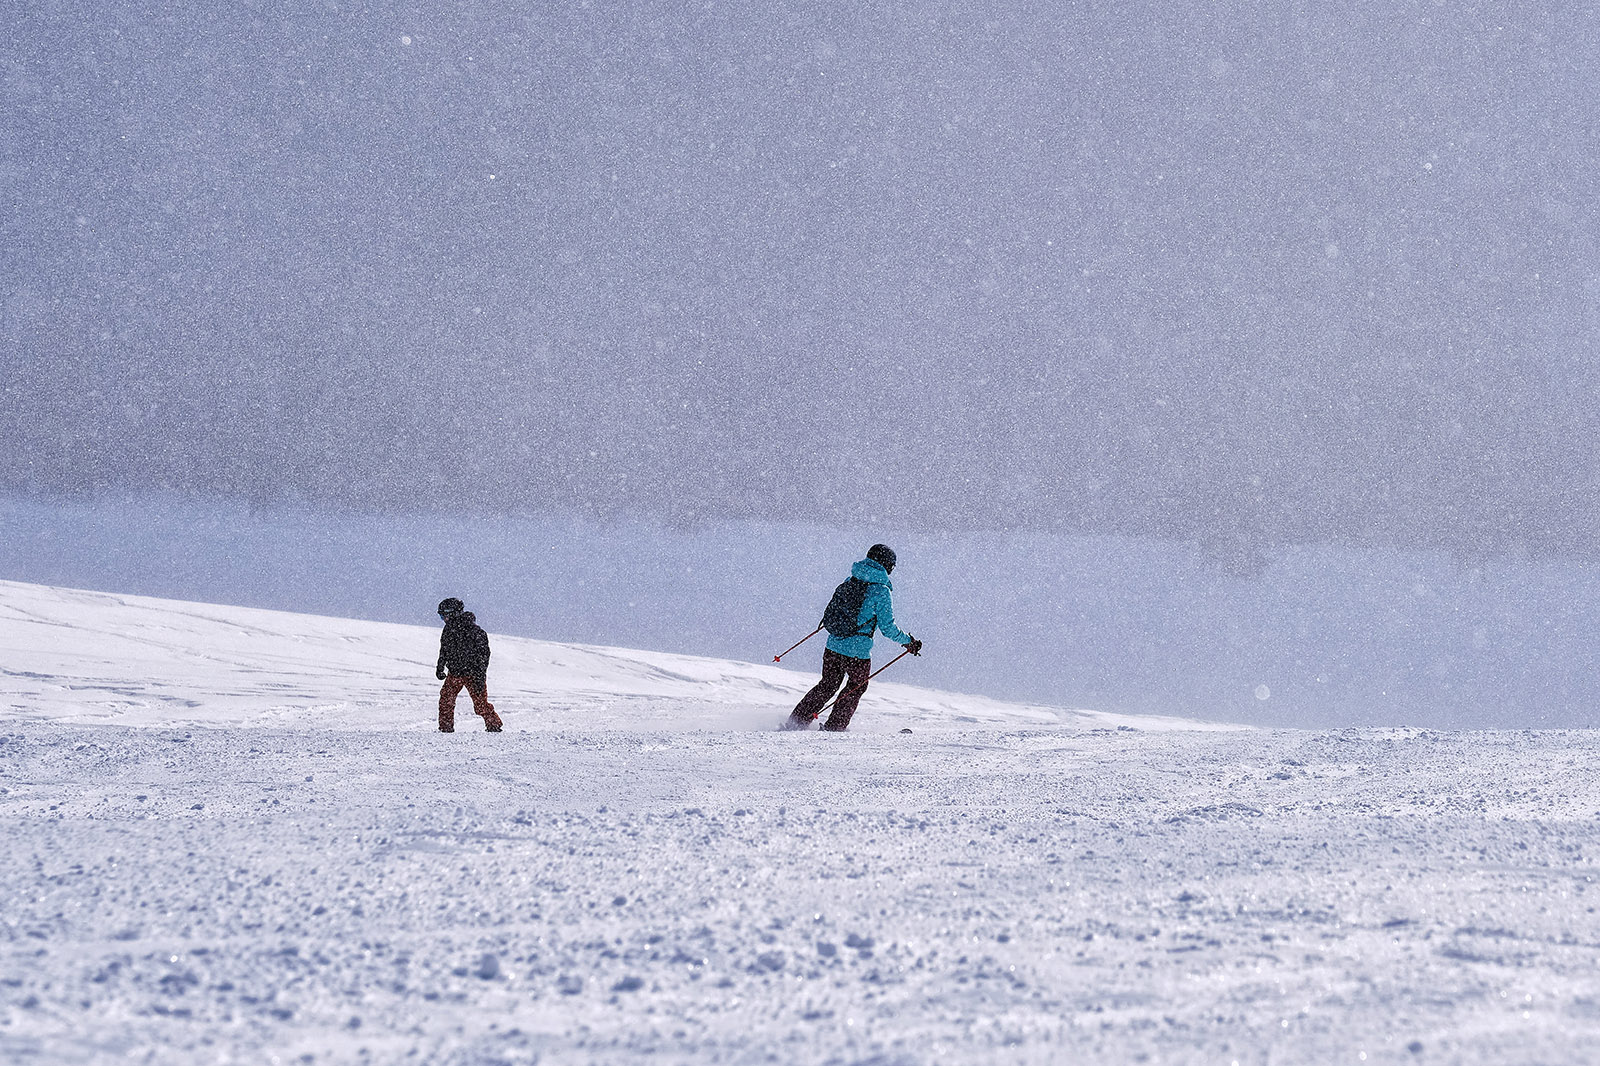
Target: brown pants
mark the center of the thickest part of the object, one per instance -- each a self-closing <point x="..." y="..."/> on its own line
<point x="836" y="668"/>
<point x="478" y="689"/>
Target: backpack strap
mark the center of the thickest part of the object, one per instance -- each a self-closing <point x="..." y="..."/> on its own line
<point x="871" y="625"/>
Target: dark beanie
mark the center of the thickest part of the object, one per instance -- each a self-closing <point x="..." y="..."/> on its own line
<point x="882" y="554"/>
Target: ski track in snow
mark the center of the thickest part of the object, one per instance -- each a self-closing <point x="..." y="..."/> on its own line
<point x="601" y="884"/>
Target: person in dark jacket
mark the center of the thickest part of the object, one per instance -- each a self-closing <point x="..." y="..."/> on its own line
<point x="848" y="656"/>
<point x="463" y="663"/>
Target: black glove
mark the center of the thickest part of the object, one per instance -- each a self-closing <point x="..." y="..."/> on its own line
<point x="914" y="646"/>
<point x="439" y="673"/>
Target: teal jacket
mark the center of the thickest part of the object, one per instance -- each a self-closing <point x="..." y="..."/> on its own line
<point x="876" y="611"/>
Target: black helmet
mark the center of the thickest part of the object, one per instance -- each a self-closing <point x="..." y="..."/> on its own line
<point x="450" y="606"/>
<point x="883" y="555"/>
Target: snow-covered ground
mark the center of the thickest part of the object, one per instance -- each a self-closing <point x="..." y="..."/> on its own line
<point x="92" y="657"/>
<point x="642" y="870"/>
<point x="1331" y="635"/>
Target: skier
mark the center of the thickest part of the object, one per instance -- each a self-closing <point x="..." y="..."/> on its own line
<point x="463" y="663"/>
<point x="858" y="606"/>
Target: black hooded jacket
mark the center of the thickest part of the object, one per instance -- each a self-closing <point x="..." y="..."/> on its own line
<point x="464" y="647"/>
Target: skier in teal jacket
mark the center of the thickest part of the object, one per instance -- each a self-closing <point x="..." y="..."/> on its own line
<point x="848" y="656"/>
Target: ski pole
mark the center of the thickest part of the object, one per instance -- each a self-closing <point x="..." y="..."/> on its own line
<point x="802" y="640"/>
<point x="870" y="676"/>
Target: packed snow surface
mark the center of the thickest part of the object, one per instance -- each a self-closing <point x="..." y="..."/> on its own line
<point x="641" y="869"/>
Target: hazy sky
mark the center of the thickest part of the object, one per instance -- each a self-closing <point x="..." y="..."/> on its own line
<point x="1241" y="272"/>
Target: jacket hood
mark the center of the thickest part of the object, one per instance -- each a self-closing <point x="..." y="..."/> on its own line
<point x="464" y="616"/>
<point x="870" y="571"/>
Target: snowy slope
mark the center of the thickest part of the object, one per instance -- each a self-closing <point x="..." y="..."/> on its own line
<point x="1338" y="636"/>
<point x="1000" y="886"/>
<point x="87" y="657"/>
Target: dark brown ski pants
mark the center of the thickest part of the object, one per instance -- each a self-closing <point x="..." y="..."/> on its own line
<point x="836" y="669"/>
<point x="478" y="689"/>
